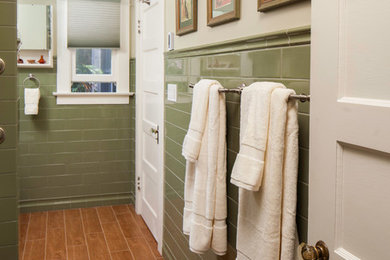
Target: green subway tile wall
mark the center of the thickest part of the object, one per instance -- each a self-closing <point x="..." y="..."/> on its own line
<point x="287" y="64"/>
<point x="74" y="155"/>
<point x="9" y="122"/>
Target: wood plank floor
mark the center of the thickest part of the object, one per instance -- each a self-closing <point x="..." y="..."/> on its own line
<point x="111" y="232"/>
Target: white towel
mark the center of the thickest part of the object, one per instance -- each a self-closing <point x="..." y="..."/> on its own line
<point x="266" y="226"/>
<point x="205" y="207"/>
<point x="31" y="101"/>
<point x="255" y="105"/>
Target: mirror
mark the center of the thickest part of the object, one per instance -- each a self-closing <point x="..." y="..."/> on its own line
<point x="34" y="26"/>
<point x="34" y="35"/>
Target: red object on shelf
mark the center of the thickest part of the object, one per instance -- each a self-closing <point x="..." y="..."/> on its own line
<point x="42" y="60"/>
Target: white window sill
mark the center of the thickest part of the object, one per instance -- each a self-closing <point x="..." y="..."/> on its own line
<point x="92" y="98"/>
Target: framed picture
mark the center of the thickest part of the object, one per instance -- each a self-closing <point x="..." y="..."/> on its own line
<point x="265" y="5"/>
<point x="222" y="11"/>
<point x="186" y="16"/>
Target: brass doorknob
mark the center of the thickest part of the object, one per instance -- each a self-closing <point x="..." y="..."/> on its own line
<point x="2" y="135"/>
<point x="318" y="252"/>
<point x="2" y="66"/>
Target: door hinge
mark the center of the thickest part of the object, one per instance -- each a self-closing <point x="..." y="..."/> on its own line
<point x="139" y="26"/>
<point x="139" y="183"/>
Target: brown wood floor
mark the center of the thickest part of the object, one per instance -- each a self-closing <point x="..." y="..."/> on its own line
<point x="112" y="233"/>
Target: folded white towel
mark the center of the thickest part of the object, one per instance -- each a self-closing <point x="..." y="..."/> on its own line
<point x="31" y="101"/>
<point x="266" y="226"/>
<point x="192" y="141"/>
<point x="205" y="207"/>
<point x="255" y="106"/>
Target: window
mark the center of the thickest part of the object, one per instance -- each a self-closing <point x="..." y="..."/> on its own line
<point x="92" y="71"/>
<point x="93" y="52"/>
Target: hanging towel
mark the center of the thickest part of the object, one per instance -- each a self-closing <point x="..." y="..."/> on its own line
<point x="266" y="226"/>
<point x="255" y="105"/>
<point x="31" y="101"/>
<point x="204" y="148"/>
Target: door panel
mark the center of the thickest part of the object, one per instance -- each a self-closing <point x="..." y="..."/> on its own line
<point x="150" y="111"/>
<point x="350" y="129"/>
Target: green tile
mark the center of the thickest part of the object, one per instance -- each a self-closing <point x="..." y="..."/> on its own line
<point x="233" y="114"/>
<point x="263" y="64"/>
<point x="296" y="62"/>
<point x="232" y="235"/>
<point x="9" y="58"/>
<point x="177" y="118"/>
<point x="174" y="149"/>
<point x="180" y="239"/>
<point x="303" y="199"/>
<point x="175" y="166"/>
<point x="233" y="139"/>
<point x="225" y="65"/>
<point x="175" y="182"/>
<point x="33" y="182"/>
<point x="11" y="115"/>
<point x="183" y="103"/>
<point x="302" y="225"/>
<point x="176" y="67"/>
<point x="8" y="209"/>
<point x="9" y="252"/>
<point x="175" y="133"/>
<point x="9" y="233"/>
<point x="195" y="66"/>
<point x="304" y="128"/>
<point x="8" y="15"/>
<point x="170" y="242"/>
<point x="173" y="197"/>
<point x="303" y="168"/>
<point x="7" y="161"/>
<point x="232" y="207"/>
<point x="8" y="37"/>
<point x="8" y="89"/>
<point x="206" y="66"/>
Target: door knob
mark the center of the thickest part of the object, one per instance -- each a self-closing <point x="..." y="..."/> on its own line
<point x="318" y="252"/>
<point x="2" y="135"/>
<point x="2" y="66"/>
<point x="155" y="131"/>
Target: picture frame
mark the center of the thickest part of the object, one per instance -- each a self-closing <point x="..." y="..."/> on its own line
<point x="222" y="11"/>
<point x="186" y="16"/>
<point x="266" y="5"/>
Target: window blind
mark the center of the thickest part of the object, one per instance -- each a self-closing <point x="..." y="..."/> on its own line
<point x="94" y="23"/>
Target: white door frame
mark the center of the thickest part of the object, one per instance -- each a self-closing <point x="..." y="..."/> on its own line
<point x="139" y="120"/>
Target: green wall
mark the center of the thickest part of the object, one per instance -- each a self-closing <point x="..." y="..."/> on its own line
<point x="8" y="121"/>
<point x="282" y="57"/>
<point x="74" y="155"/>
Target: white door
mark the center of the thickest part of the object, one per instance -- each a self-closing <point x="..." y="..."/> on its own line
<point x="150" y="113"/>
<point x="349" y="198"/>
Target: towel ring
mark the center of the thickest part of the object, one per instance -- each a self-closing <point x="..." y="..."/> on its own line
<point x="33" y="78"/>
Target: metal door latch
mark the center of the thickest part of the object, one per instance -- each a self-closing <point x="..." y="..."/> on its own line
<point x="156" y="132"/>
<point x="145" y="2"/>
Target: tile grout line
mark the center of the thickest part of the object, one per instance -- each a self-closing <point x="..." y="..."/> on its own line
<point x="25" y="240"/>
<point x="85" y="237"/>
<point x="120" y="227"/>
<point x="104" y="235"/>
<point x="47" y="219"/>
<point x="66" y="241"/>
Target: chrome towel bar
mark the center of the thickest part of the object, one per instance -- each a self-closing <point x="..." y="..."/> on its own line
<point x="300" y="97"/>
